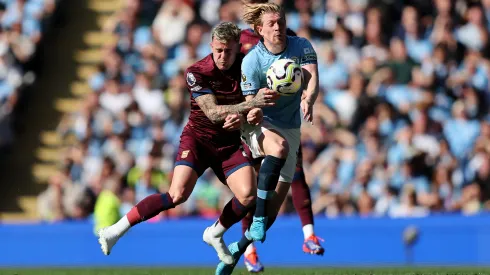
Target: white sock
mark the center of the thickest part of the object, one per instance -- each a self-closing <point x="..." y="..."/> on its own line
<point x="308" y="230"/>
<point x="120" y="227"/>
<point x="250" y="249"/>
<point x="217" y="229"/>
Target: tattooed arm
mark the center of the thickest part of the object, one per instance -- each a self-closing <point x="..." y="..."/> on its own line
<point x="217" y="113"/>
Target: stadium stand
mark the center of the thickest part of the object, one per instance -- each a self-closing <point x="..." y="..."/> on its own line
<point x="401" y="128"/>
<point x="22" y="25"/>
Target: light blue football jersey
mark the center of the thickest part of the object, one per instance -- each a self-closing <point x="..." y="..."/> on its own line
<point x="286" y="113"/>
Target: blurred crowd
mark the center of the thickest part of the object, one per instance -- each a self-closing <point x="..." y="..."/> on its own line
<point x="401" y="127"/>
<point x="22" y="24"/>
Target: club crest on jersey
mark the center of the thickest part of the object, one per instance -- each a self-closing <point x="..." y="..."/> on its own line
<point x="244" y="78"/>
<point x="185" y="154"/>
<point x="191" y="79"/>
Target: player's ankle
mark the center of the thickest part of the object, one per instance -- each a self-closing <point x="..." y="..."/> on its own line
<point x="308" y="231"/>
<point x="250" y="249"/>
<point x="217" y="230"/>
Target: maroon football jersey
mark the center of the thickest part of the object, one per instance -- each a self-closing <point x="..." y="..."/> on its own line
<point x="248" y="39"/>
<point x="203" y="77"/>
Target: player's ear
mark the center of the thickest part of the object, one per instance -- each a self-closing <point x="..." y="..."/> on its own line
<point x="259" y="30"/>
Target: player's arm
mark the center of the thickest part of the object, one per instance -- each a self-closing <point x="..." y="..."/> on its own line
<point x="218" y="113"/>
<point x="310" y="73"/>
<point x="310" y="94"/>
<point x="204" y="97"/>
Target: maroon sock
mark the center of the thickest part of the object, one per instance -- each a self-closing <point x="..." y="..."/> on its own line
<point x="232" y="213"/>
<point x="247" y="221"/>
<point x="149" y="207"/>
<point x="301" y="197"/>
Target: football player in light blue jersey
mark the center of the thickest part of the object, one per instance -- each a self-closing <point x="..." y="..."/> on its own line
<point x="273" y="132"/>
<point x="286" y="113"/>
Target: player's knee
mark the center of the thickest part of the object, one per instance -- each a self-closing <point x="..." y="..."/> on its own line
<point x="178" y="196"/>
<point x="246" y="195"/>
<point x="247" y="200"/>
<point x="279" y="149"/>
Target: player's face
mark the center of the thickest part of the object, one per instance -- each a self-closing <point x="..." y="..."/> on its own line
<point x="224" y="54"/>
<point x="273" y="28"/>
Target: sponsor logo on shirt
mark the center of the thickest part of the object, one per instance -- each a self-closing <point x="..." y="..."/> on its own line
<point x="197" y="88"/>
<point x="309" y="57"/>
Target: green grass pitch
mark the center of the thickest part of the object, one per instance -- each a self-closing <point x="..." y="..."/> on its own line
<point x="269" y="271"/>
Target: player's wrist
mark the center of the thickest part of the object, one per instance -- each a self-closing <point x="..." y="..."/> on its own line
<point x="254" y="103"/>
<point x="309" y="99"/>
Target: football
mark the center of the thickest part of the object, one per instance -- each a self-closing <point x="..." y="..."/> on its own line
<point x="285" y="76"/>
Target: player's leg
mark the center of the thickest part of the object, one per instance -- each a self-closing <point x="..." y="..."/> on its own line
<point x="247" y="220"/>
<point x="186" y="172"/>
<point x="237" y="172"/>
<point x="238" y="248"/>
<point x="243" y="185"/>
<point x="281" y="193"/>
<point x="251" y="258"/>
<point x="282" y="187"/>
<point x="183" y="182"/>
<point x="291" y="139"/>
<point x="252" y="264"/>
<point x="275" y="148"/>
<point x="302" y="203"/>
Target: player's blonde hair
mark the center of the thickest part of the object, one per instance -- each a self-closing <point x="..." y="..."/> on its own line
<point x="225" y="32"/>
<point x="252" y="13"/>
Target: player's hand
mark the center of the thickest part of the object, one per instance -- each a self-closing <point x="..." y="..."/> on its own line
<point x="307" y="108"/>
<point x="255" y="116"/>
<point x="233" y="122"/>
<point x="265" y="97"/>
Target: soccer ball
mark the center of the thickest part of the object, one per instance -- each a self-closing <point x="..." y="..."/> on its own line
<point x="285" y="77"/>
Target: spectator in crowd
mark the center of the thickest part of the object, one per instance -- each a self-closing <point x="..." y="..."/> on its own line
<point x="22" y="23"/>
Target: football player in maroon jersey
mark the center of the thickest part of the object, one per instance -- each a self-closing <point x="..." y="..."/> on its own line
<point x="211" y="139"/>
